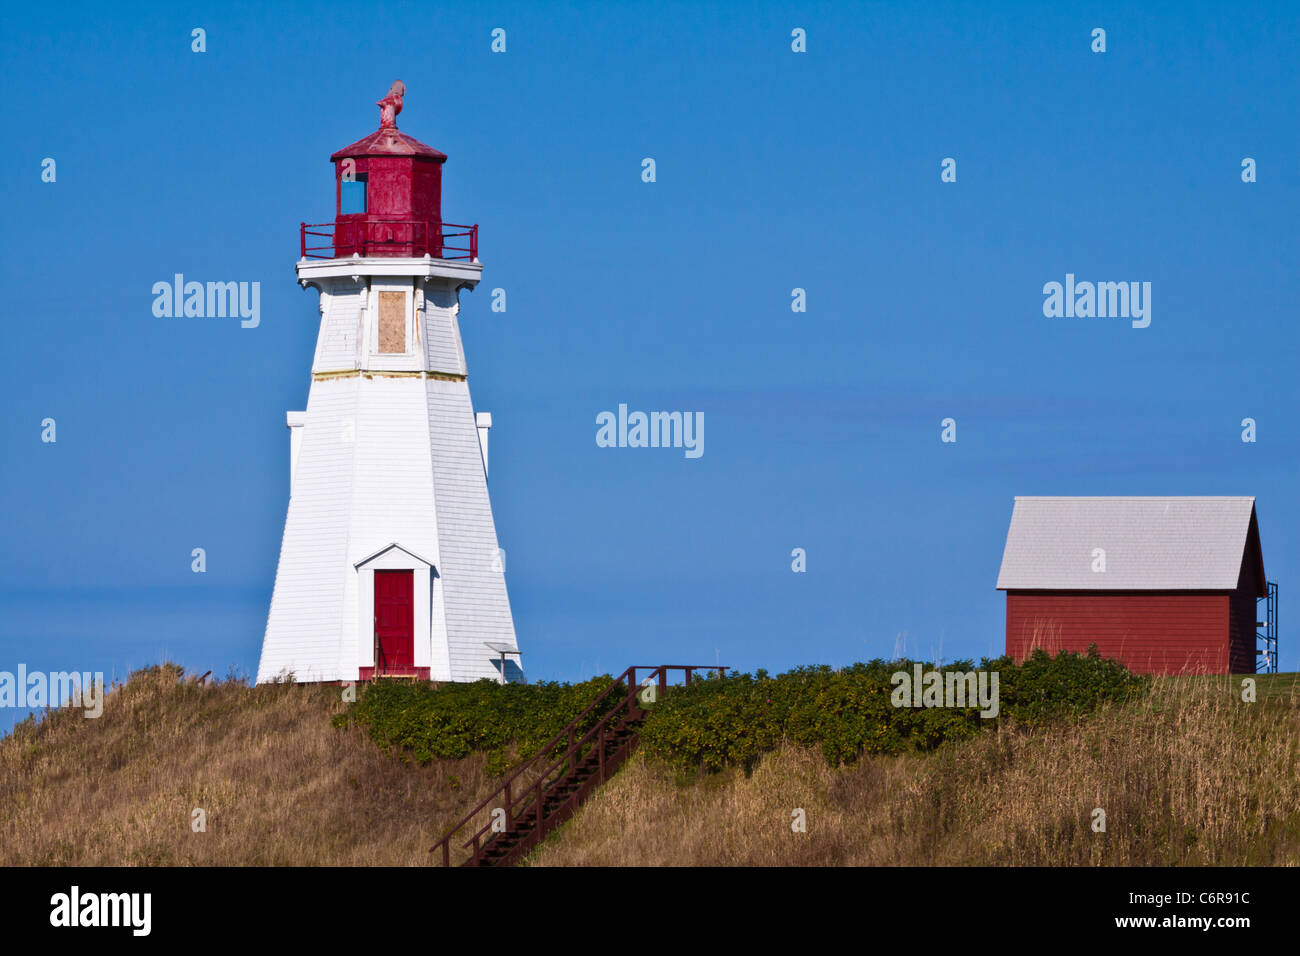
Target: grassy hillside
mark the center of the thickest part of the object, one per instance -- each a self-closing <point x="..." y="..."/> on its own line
<point x="1186" y="773"/>
<point x="279" y="784"/>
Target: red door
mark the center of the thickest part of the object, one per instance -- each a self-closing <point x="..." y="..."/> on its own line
<point x="395" y="622"/>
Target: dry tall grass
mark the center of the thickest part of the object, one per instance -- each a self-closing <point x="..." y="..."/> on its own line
<point x="279" y="784"/>
<point x="1189" y="776"/>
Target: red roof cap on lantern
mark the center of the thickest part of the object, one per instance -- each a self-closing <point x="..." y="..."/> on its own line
<point x="388" y="141"/>
<point x="394" y="187"/>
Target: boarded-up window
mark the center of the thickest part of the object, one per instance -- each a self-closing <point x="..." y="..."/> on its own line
<point x="392" y="322"/>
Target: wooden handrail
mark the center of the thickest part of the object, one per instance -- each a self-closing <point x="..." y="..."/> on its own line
<point x="546" y="748"/>
<point x="517" y="805"/>
<point x="569" y="757"/>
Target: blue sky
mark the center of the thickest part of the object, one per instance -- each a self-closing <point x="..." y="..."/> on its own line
<point x="775" y="170"/>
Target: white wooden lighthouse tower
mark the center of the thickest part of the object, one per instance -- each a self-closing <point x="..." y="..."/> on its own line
<point x="389" y="564"/>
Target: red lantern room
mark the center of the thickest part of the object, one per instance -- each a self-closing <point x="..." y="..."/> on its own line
<point x="388" y="199"/>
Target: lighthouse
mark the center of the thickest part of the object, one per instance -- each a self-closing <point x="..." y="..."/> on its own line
<point x="389" y="565"/>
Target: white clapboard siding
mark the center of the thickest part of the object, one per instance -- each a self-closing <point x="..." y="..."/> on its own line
<point x="304" y="629"/>
<point x="477" y="606"/>
<point x="443" y="350"/>
<point x="393" y="490"/>
<point x="340" y="330"/>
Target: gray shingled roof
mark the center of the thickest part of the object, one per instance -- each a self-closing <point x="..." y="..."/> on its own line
<point x="1151" y="544"/>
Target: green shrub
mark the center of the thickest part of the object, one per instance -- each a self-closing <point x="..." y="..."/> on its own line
<point x="1067" y="686"/>
<point x="735" y="719"/>
<point x="508" y="722"/>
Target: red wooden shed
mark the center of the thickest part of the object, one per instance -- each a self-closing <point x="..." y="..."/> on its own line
<point x="1166" y="585"/>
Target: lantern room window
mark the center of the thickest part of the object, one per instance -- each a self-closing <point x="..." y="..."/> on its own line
<point x="352" y="196"/>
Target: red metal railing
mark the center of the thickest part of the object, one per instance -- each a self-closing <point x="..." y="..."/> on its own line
<point x="525" y="802"/>
<point x="411" y="238"/>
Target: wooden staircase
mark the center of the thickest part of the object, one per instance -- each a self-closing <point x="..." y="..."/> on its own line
<point x="546" y="790"/>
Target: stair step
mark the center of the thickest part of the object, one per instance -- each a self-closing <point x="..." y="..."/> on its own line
<point x="577" y="781"/>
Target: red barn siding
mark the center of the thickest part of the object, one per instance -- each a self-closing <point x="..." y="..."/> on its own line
<point x="1152" y="632"/>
